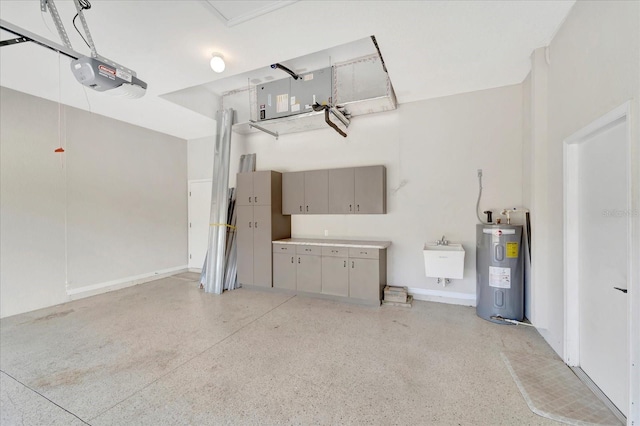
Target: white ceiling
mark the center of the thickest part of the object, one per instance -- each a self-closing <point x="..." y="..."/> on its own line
<point x="431" y="48"/>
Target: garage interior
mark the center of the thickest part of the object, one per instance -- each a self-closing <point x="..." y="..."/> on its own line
<point x="105" y="216"/>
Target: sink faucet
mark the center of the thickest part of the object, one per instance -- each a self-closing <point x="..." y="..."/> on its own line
<point x="442" y="242"/>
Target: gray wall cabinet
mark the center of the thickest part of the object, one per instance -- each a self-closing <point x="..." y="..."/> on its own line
<point x="354" y="190"/>
<point x="259" y="221"/>
<point x="293" y="193"/>
<point x="358" y="274"/>
<point x="305" y="192"/>
<point x="370" y="190"/>
<point x="342" y="191"/>
<point x="316" y="192"/>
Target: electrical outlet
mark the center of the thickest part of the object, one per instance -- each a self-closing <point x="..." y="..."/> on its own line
<point x="326" y="232"/>
<point x="479" y="172"/>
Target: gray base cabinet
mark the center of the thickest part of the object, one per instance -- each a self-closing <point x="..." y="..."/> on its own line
<point x="335" y="276"/>
<point x="259" y="221"/>
<point x="357" y="274"/>
<point x="362" y="273"/>
<point x="309" y="273"/>
<point x="284" y="271"/>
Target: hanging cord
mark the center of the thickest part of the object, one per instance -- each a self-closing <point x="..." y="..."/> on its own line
<point x="479" y="197"/>
<point x="62" y="136"/>
<point x="60" y="148"/>
<point x="85" y="5"/>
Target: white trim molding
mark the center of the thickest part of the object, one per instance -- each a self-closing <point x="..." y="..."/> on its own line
<point x="190" y="181"/>
<point x="450" y="297"/>
<point x="94" y="289"/>
<point x="571" y="245"/>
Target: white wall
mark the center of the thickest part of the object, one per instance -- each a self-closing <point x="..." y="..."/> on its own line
<point x="122" y="191"/>
<point x="200" y="157"/>
<point x="594" y="67"/>
<point x="432" y="150"/>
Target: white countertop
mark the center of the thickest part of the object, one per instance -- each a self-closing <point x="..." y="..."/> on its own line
<point x="335" y="243"/>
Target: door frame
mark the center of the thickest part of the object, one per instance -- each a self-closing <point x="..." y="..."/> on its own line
<point x="189" y="183"/>
<point x="571" y="246"/>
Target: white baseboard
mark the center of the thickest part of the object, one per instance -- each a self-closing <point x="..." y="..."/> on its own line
<point x="197" y="270"/>
<point x="94" y="289"/>
<point x="450" y="297"/>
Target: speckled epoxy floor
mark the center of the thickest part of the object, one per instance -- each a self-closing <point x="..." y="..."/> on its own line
<point x="167" y="353"/>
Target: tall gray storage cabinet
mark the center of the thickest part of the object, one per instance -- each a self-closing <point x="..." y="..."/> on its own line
<point x="259" y="222"/>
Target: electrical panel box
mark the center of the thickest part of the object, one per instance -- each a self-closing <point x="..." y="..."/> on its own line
<point x="273" y="99"/>
<point x="286" y="97"/>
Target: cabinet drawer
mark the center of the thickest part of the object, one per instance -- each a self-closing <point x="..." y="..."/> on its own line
<point x="335" y="251"/>
<point x="305" y="249"/>
<point x="284" y="248"/>
<point x="364" y="253"/>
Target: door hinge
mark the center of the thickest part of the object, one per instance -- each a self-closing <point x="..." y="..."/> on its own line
<point x="189" y="256"/>
<point x="189" y="224"/>
<point x="189" y="193"/>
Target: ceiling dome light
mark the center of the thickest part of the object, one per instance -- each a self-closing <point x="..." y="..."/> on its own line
<point x="217" y="62"/>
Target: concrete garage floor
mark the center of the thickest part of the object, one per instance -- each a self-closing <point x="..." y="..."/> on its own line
<point x="167" y="353"/>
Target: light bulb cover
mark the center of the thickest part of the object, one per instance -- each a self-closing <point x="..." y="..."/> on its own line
<point x="217" y="62"/>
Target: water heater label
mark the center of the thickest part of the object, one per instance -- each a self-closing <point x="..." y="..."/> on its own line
<point x="512" y="250"/>
<point x="499" y="277"/>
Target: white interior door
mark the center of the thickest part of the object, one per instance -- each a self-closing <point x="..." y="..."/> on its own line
<point x="603" y="261"/>
<point x="199" y="213"/>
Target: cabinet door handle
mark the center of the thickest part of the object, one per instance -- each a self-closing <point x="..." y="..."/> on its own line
<point x="358" y="207"/>
<point x="256" y="225"/>
<point x="249" y="224"/>
<point x="298" y="260"/>
<point x="300" y="208"/>
<point x="255" y="199"/>
<point x="363" y="252"/>
<point x="345" y="264"/>
<point x="352" y="264"/>
<point x="307" y="208"/>
<point x="350" y="205"/>
<point x="249" y="199"/>
<point x="291" y="259"/>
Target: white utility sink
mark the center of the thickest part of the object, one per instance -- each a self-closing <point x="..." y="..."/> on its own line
<point x="442" y="261"/>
